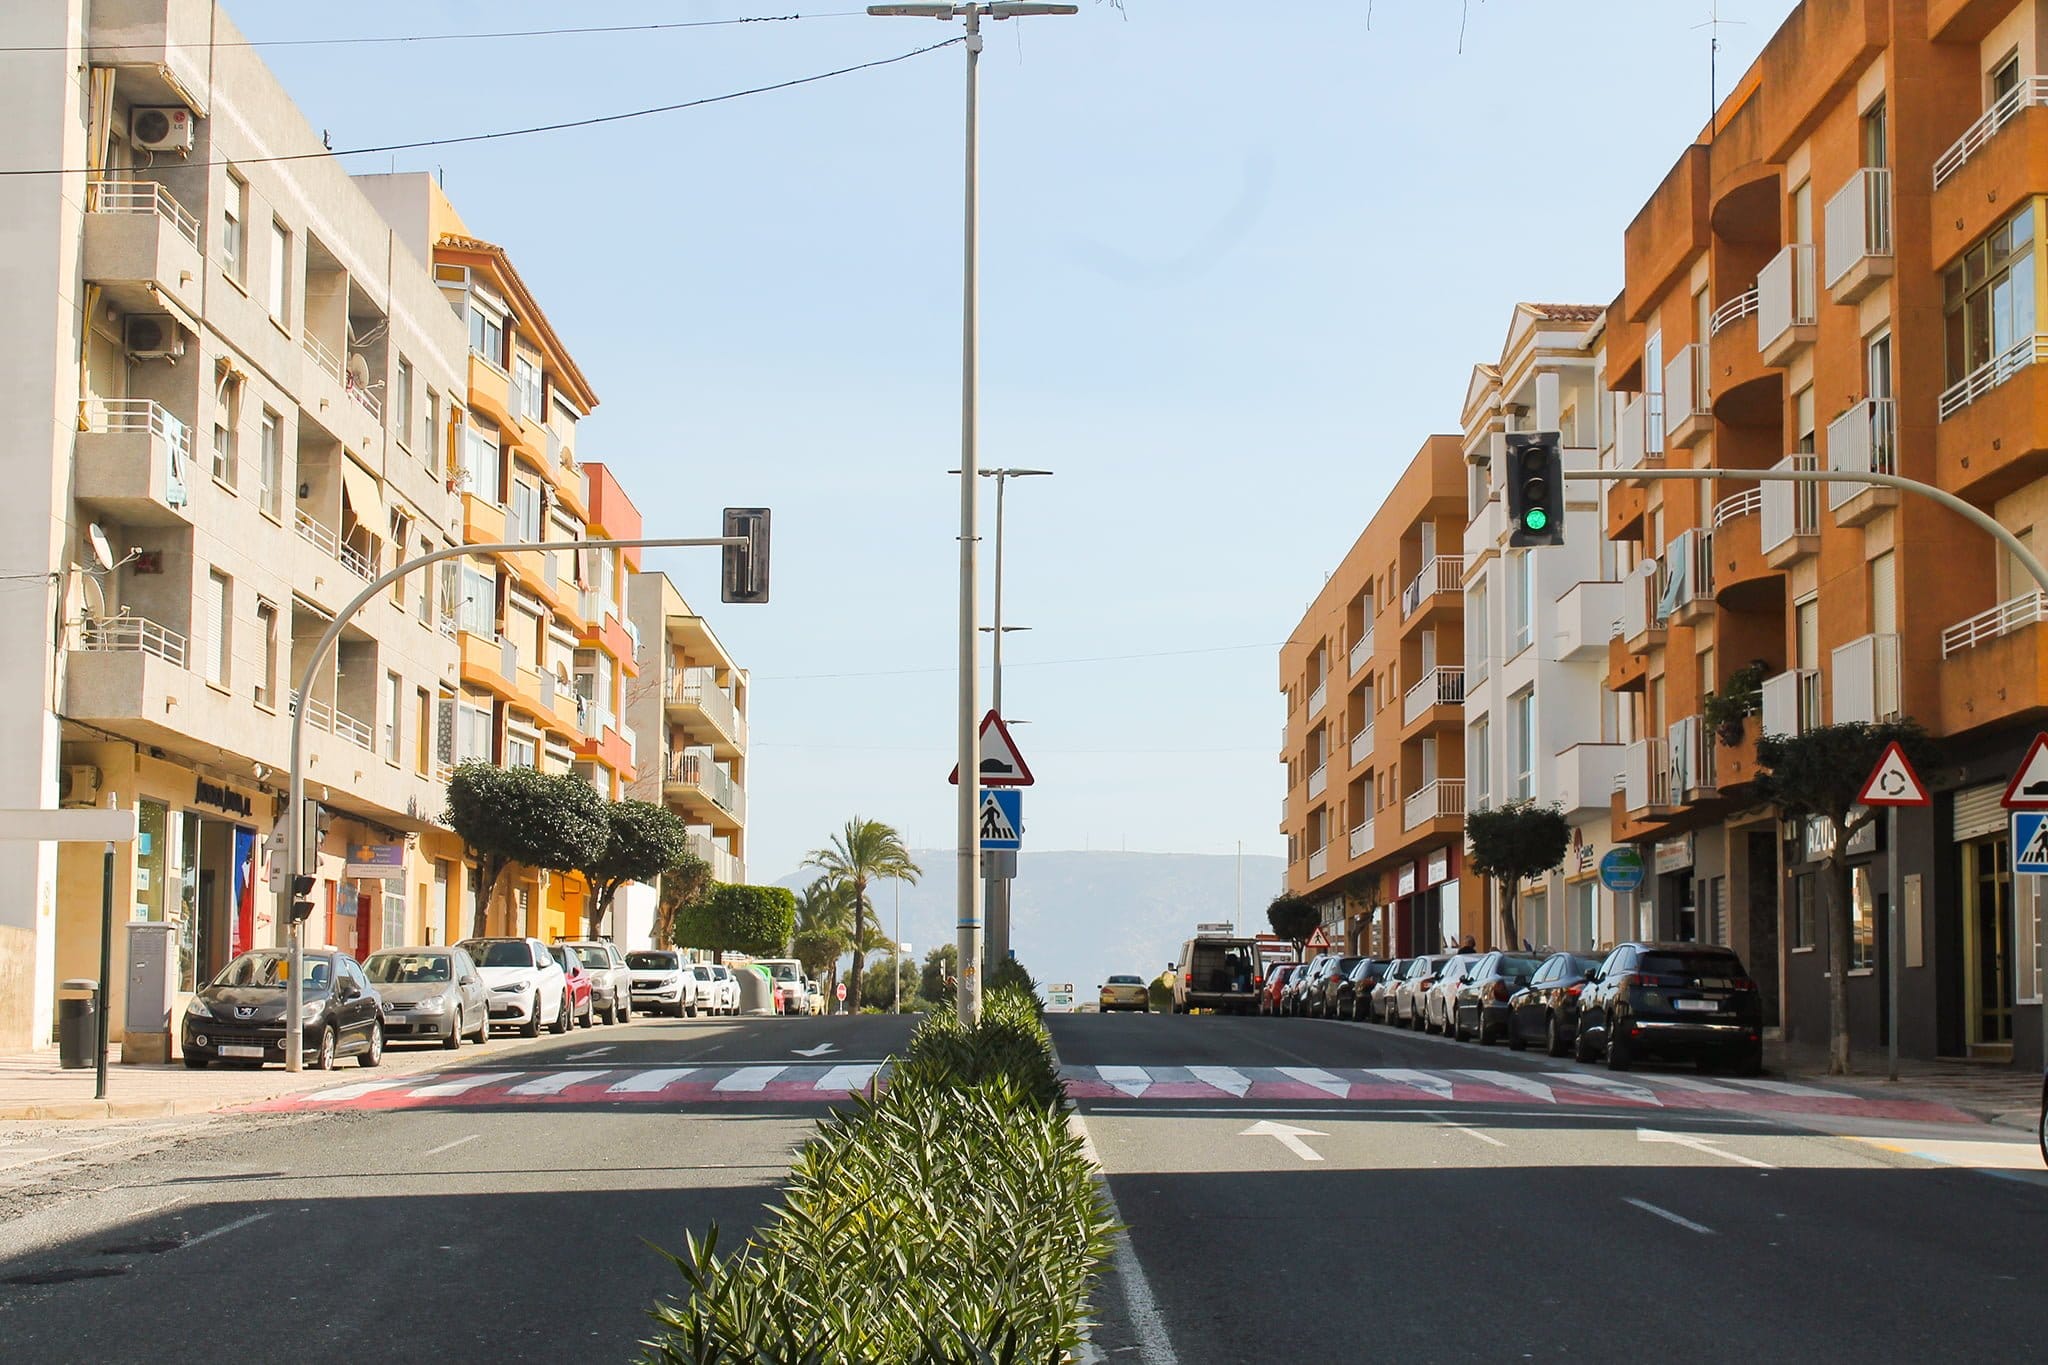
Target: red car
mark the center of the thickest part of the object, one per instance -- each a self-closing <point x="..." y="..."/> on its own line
<point x="582" y="1009"/>
<point x="1269" y="993"/>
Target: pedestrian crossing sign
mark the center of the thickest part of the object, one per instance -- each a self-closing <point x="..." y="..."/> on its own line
<point x="1001" y="822"/>
<point x="2030" y="841"/>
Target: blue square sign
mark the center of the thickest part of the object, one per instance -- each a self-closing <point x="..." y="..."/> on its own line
<point x="1002" y="819"/>
<point x="2030" y="841"/>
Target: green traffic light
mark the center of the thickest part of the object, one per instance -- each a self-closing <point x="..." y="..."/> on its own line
<point x="1536" y="519"/>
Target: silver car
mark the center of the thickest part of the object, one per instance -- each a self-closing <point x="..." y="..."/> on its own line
<point x="430" y="993"/>
<point x="661" y="982"/>
<point x="611" y="984"/>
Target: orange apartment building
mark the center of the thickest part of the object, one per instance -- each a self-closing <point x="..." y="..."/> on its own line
<point x="1842" y="272"/>
<point x="1374" y="741"/>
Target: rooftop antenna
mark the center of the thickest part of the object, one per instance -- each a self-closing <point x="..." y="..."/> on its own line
<point x="1715" y="23"/>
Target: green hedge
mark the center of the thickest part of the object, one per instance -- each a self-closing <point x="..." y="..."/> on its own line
<point x="953" y="1217"/>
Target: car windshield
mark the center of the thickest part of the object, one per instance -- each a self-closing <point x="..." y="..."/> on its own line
<point x="1515" y="964"/>
<point x="407" y="969"/>
<point x="1125" y="981"/>
<point x="507" y="952"/>
<point x="1584" y="966"/>
<point x="651" y="962"/>
<point x="702" y="972"/>
<point x="783" y="971"/>
<point x="595" y="957"/>
<point x="561" y="956"/>
<point x="271" y="969"/>
<point x="1689" y="964"/>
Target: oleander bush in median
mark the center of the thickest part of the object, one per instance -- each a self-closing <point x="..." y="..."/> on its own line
<point x="953" y="1217"/>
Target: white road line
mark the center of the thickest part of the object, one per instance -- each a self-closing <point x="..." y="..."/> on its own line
<point x="1688" y="1083"/>
<point x="846" y="1079"/>
<point x="1223" y="1078"/>
<point x="235" y="1226"/>
<point x="1613" y="1087"/>
<point x="650" y="1082"/>
<point x="1319" y="1078"/>
<point x="1508" y="1080"/>
<point x="749" y="1079"/>
<point x="1132" y="1080"/>
<point x="1427" y="1082"/>
<point x="1668" y="1216"/>
<point x="1469" y="1131"/>
<point x="594" y="1052"/>
<point x="555" y="1084"/>
<point x="450" y="1146"/>
<point x="351" y="1092"/>
<point x="1787" y="1088"/>
<point x="462" y="1083"/>
<point x="1154" y="1344"/>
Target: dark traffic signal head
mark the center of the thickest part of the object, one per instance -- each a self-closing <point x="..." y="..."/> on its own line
<point x="1535" y="484"/>
<point x="745" y="576"/>
<point x="302" y="890"/>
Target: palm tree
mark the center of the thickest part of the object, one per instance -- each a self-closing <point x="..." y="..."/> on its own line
<point x="867" y="851"/>
<point x="825" y="907"/>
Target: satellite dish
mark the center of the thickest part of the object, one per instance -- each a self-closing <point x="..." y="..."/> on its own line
<point x="96" y="539"/>
<point x="358" y="370"/>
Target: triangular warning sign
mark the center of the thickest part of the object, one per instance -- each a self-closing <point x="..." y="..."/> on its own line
<point x="2028" y="789"/>
<point x="1001" y="764"/>
<point x="1894" y="783"/>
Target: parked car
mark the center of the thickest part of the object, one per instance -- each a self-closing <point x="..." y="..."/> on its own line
<point x="1481" y="1001"/>
<point x="431" y="993"/>
<point x="1323" y="1003"/>
<point x="1276" y="985"/>
<point x="239" y="1015"/>
<point x="1672" y="1001"/>
<point x="662" y="983"/>
<point x="1547" y="1009"/>
<point x="786" y="981"/>
<point x="1379" y="1004"/>
<point x="1295" y="1001"/>
<point x="611" y="981"/>
<point x="1123" y="993"/>
<point x="582" y="986"/>
<point x="527" y="985"/>
<point x="1219" y="973"/>
<point x="1407" y="1011"/>
<point x="1436" y="1001"/>
<point x="718" y="990"/>
<point x="1354" y="992"/>
<point x="816" y="994"/>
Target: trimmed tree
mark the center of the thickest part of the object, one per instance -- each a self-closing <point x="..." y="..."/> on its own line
<point x="685" y="883"/>
<point x="642" y="841"/>
<point x="1294" y="918"/>
<point x="1512" y="842"/>
<point x="817" y="949"/>
<point x="755" y="920"/>
<point x="523" y="816"/>
<point x="866" y="851"/>
<point x="1820" y="774"/>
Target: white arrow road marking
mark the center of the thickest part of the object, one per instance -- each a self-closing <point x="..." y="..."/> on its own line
<point x="650" y="1082"/>
<point x="351" y="1092"/>
<point x="1223" y="1078"/>
<point x="1621" y="1089"/>
<point x="1320" y="1079"/>
<point x="818" y="1051"/>
<point x="594" y="1052"/>
<point x="462" y="1083"/>
<point x="1668" y="1216"/>
<point x="1700" y="1144"/>
<point x="554" y="1084"/>
<point x="752" y="1079"/>
<point x="1288" y="1136"/>
<point x="1132" y="1080"/>
<point x="847" y="1078"/>
<point x="1416" y="1080"/>
<point x="1508" y="1080"/>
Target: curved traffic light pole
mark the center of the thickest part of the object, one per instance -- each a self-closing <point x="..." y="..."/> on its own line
<point x="295" y="1002"/>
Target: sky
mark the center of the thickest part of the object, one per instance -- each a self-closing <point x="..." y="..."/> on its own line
<point x="1238" y="262"/>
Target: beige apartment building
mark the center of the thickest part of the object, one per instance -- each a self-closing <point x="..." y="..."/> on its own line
<point x="689" y="708"/>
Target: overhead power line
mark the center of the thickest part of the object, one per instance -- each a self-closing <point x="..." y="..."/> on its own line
<point x="1027" y="663"/>
<point x="460" y="37"/>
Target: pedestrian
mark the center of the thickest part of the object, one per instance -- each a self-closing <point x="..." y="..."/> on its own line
<point x="1468" y="944"/>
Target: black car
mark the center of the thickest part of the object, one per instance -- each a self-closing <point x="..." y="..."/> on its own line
<point x="1675" y="1002"/>
<point x="1294" y="1001"/>
<point x="1547" y="1009"/>
<point x="239" y="1015"/>
<point x="1354" y="992"/>
<point x="1480" y="1001"/>
<point x="1323" y="1003"/>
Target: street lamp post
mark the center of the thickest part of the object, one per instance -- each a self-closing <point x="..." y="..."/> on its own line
<point x="968" y="876"/>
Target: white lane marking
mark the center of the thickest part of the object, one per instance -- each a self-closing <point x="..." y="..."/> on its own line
<point x="235" y="1226"/>
<point x="847" y="1079"/>
<point x="1223" y="1078"/>
<point x="350" y="1092"/>
<point x="1415" y="1080"/>
<point x="1700" y="1144"/>
<point x="1508" y="1080"/>
<point x="594" y="1052"/>
<point x="1319" y="1078"/>
<point x="650" y="1082"/>
<point x="750" y="1079"/>
<point x="1154" y="1344"/>
<point x="555" y="1084"/>
<point x="1787" y="1088"/>
<point x="462" y="1083"/>
<point x="1371" y="1112"/>
<point x="450" y="1146"/>
<point x="1668" y="1216"/>
<point x="1688" y="1083"/>
<point x="1621" y="1089"/>
<point x="1488" y="1138"/>
<point x="1132" y="1080"/>
<point x="818" y="1051"/>
<point x="1287" y="1136"/>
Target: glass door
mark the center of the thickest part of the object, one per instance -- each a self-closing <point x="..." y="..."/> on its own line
<point x="1987" y="935"/>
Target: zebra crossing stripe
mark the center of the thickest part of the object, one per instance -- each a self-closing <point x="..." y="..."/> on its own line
<point x="1320" y="1079"/>
<point x="349" y="1092"/>
<point x="554" y="1084"/>
<point x="650" y="1082"/>
<point x="459" y="1084"/>
<point x="1132" y="1080"/>
<point x="847" y="1079"/>
<point x="1507" y="1080"/>
<point x="1788" y="1088"/>
<point x="1603" y="1085"/>
<point x="1227" y="1078"/>
<point x="749" y="1080"/>
<point x="1425" y="1081"/>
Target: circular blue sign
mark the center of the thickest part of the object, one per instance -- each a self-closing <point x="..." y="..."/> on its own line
<point x="1621" y="868"/>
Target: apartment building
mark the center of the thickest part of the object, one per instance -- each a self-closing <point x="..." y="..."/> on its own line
<point x="689" y="707"/>
<point x="1842" y="272"/>
<point x="1374" y="742"/>
<point x="1538" y="723"/>
<point x="232" y="384"/>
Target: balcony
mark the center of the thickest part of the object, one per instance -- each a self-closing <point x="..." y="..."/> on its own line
<point x="1791" y="515"/>
<point x="1792" y="703"/>
<point x="1995" y="666"/>
<point x="1859" y="235"/>
<point x="133" y="635"/>
<point x="1993" y="436"/>
<point x="724" y="866"/>
<point x="1585" y="775"/>
<point x="1866" y="679"/>
<point x="1735" y="506"/>
<point x="1361" y="745"/>
<point x="1318" y="864"/>
<point x="1319" y="780"/>
<point x="1642" y="612"/>
<point x="2031" y="93"/>
<point x="1441" y="579"/>
<point x="1639" y="433"/>
<point x="723" y="801"/>
<point x="1860" y="441"/>
<point x="1443" y="799"/>
<point x="1688" y="597"/>
<point x="330" y="720"/>
<point x="709" y="713"/>
<point x="142" y="247"/>
<point x="1742" y="577"/>
<point x="1735" y="310"/>
<point x="1688" y="396"/>
<point x="1361" y="651"/>
<point x="1691" y="750"/>
<point x="490" y="662"/>
<point x="1438" y="687"/>
<point x="1585" y="620"/>
<point x="1999" y="621"/>
<point x="1787" y="305"/>
<point x="1318" y="698"/>
<point x="1361" y="840"/>
<point x="1646" y="778"/>
<point x="132" y="461"/>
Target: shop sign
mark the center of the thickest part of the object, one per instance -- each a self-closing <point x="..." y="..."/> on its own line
<point x="1404" y="881"/>
<point x="376" y="862"/>
<point x="213" y="794"/>
<point x="1439" y="867"/>
<point x="1673" y="855"/>
<point x="1820" y="839"/>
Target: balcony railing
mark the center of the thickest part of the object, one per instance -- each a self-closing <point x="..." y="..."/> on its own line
<point x="2030" y="350"/>
<point x="1317" y="698"/>
<point x="1860" y="441"/>
<point x="1443" y="574"/>
<point x="1688" y="383"/>
<point x="1641" y="609"/>
<point x="326" y="718"/>
<point x="366" y="400"/>
<point x="356" y="562"/>
<point x="717" y="704"/>
<point x="724" y="866"/>
<point x="1859" y="222"/>
<point x="1361" y="651"/>
<point x="1791" y="702"/>
<point x="142" y="196"/>
<point x="1319" y="780"/>
<point x="1733" y="311"/>
<point x="115" y="416"/>
<point x="1790" y="510"/>
<point x="133" y="635"/>
<point x="1785" y="295"/>
<point x="697" y="770"/>
<point x="354" y="731"/>
<point x="1738" y="505"/>
<point x="317" y="533"/>
<point x="1985" y="626"/>
<point x="323" y="355"/>
<point x="1639" y="432"/>
<point x="1361" y="745"/>
<point x="1318" y="863"/>
<point x="1867" y="679"/>
<point x="1646" y="776"/>
<point x="1438" y="687"/>
<point x="508" y="658"/>
<point x="2028" y="93"/>
<point x="1361" y="839"/>
<point x="1441" y="799"/>
<point x="1692" y="757"/>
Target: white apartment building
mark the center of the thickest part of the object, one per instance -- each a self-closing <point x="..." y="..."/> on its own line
<point x="1538" y="721"/>
<point x="230" y="389"/>
<point x="688" y="709"/>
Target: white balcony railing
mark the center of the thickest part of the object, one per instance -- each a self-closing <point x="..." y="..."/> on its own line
<point x="1785" y="295"/>
<point x="1691" y="746"/>
<point x="1361" y="651"/>
<point x="142" y="196"/>
<point x="697" y="770"/>
<point x="2028" y="93"/>
<point x="1438" y="687"/>
<point x="323" y="355"/>
<point x="1639" y="432"/>
<point x="316" y="533"/>
<point x="2028" y="350"/>
<point x="1361" y="839"/>
<point x="1641" y="609"/>
<point x="354" y="731"/>
<point x="1319" y="780"/>
<point x="1441" y="799"/>
<point x="1688" y="382"/>
<point x="356" y="562"/>
<point x="1318" y="698"/>
<point x="1646" y="776"/>
<point x="724" y="866"/>
<point x="1791" y="702"/>
<point x="1860" y="441"/>
<point x="1790" y="510"/>
<point x="695" y="689"/>
<point x="1443" y="574"/>
<point x="114" y="416"/>
<point x="1361" y="745"/>
<point x="508" y="658"/>
<point x="1733" y="311"/>
<point x="2003" y="619"/>
<point x="1318" y="863"/>
<point x="1738" y="505"/>
<point x="133" y="635"/>
<point x="366" y="400"/>
<point x="1866" y="677"/>
<point x="1859" y="222"/>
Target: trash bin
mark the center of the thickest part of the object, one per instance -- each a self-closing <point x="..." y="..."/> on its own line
<point x="78" y="1023"/>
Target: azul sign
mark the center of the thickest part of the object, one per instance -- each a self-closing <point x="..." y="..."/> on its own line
<point x="206" y="793"/>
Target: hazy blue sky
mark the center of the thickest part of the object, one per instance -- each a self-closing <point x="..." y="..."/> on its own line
<point x="1239" y="261"/>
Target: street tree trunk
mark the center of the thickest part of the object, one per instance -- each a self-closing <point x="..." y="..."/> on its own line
<point x="600" y="905"/>
<point x="1510" y="901"/>
<point x="860" y="926"/>
<point x="1838" y="955"/>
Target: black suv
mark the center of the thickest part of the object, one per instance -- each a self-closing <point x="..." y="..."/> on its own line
<point x="1673" y="1001"/>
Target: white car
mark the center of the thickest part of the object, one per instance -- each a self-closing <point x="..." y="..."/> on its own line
<point x="527" y="986"/>
<point x="718" y="990"/>
<point x="663" y="983"/>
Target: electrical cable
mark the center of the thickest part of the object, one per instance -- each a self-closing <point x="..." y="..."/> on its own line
<point x="1025" y="663"/>
<point x="484" y="36"/>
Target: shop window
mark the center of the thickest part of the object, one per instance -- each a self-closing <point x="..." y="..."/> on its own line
<point x="1862" y="921"/>
<point x="1805" y="911"/>
<point x="152" y="850"/>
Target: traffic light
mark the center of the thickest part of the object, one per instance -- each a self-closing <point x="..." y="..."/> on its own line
<point x="1535" y="480"/>
<point x="302" y="905"/>
<point x="745" y="576"/>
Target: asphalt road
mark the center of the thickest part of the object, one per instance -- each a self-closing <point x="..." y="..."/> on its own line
<point x="1518" y="1228"/>
<point x="518" y="1229"/>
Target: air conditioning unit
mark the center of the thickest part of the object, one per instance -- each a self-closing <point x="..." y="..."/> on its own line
<point x="78" y="784"/>
<point x="153" y="336"/>
<point x="164" y="129"/>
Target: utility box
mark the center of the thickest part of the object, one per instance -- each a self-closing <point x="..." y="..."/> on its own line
<point x="152" y="988"/>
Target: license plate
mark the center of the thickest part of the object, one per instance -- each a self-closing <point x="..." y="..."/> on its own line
<point x="239" y="1050"/>
<point x="1697" y="1004"/>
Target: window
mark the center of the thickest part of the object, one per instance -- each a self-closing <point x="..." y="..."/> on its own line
<point x="430" y="437"/>
<point x="1585" y="925"/>
<point x="1478" y="487"/>
<point x="480" y="455"/>
<point x="2014" y="580"/>
<point x="401" y="532"/>
<point x="270" y="463"/>
<point x="1802" y="421"/>
<point x="1862" y="921"/>
<point x="520" y="751"/>
<point x="401" y="402"/>
<point x="393" y="708"/>
<point x="1523" y="709"/>
<point x="234" y="245"/>
<point x="1653" y="394"/>
<point x="1884" y="595"/>
<point x="1805" y="910"/>
<point x="280" y="273"/>
<point x="526" y="389"/>
<point x="423" y="585"/>
<point x="2005" y="78"/>
<point x="1872" y="135"/>
<point x="1988" y="298"/>
<point x="1477" y="651"/>
<point x="477" y="612"/>
<point x="1806" y="633"/>
<point x="219" y="612"/>
<point x="227" y="421"/>
<point x="266" y="630"/>
<point x="1479" y="762"/>
<point x="1521" y="602"/>
<point x="423" y="731"/>
<point x="1802" y="213"/>
<point x="524" y="523"/>
<point x="487" y="332"/>
<point x="472" y="733"/>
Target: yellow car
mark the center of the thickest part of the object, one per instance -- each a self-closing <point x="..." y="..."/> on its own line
<point x="1123" y="993"/>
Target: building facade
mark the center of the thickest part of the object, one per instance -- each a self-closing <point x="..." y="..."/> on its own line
<point x="689" y="707"/>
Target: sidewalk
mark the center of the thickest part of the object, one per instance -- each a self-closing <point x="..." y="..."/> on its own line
<point x="1995" y="1093"/>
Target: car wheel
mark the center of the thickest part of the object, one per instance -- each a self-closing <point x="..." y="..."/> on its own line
<point x="483" y="1027"/>
<point x="689" y="1009"/>
<point x="1752" y="1064"/>
<point x="197" y="1060"/>
<point x="1553" y="1041"/>
<point x="624" y="1006"/>
<point x="565" y="1016"/>
<point x="454" y="1038"/>
<point x="1516" y="1042"/>
<point x="1580" y="1051"/>
<point x="1619" y="1054"/>
<point x="323" y="1051"/>
<point x="531" y="1028"/>
<point x="374" y="1053"/>
<point x="590" y="1011"/>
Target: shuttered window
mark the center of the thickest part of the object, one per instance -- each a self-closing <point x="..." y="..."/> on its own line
<point x="219" y="611"/>
<point x="1979" y="811"/>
